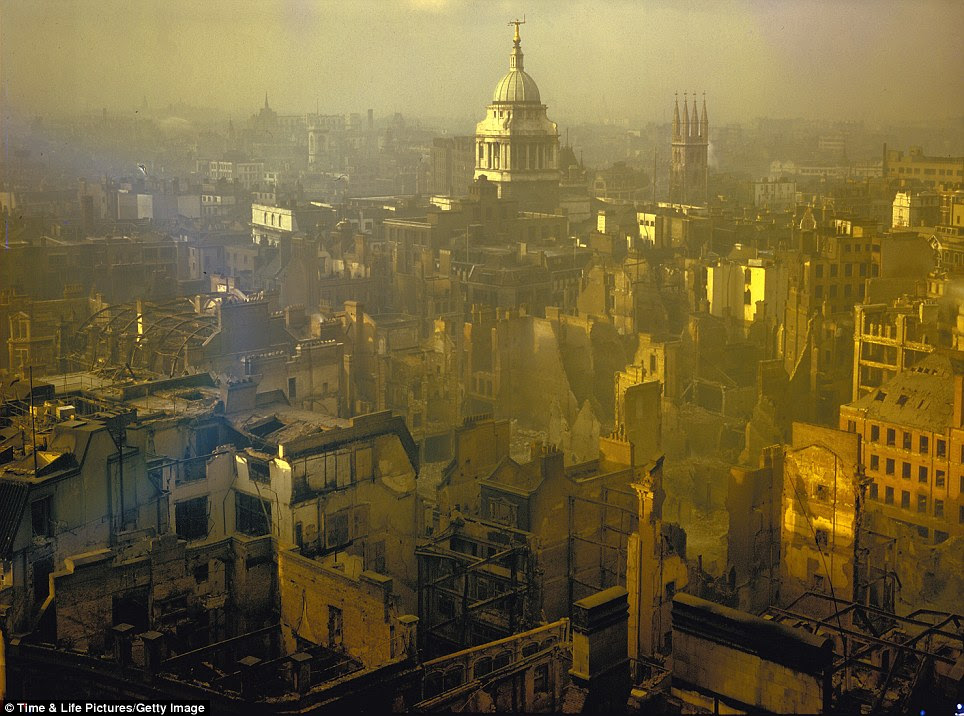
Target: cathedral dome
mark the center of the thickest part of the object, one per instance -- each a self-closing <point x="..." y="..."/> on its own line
<point x="516" y="86"/>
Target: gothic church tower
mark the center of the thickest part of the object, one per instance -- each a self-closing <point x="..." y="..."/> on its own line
<point x="690" y="147"/>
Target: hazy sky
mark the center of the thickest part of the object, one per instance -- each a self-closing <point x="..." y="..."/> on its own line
<point x="846" y="59"/>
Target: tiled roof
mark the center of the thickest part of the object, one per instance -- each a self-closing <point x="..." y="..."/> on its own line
<point x="920" y="397"/>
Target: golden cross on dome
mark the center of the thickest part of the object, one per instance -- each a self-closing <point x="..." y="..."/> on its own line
<point x="517" y="22"/>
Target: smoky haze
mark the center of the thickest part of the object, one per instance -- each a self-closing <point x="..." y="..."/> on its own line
<point x="859" y="60"/>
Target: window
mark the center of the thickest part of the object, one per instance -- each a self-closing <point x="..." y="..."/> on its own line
<point x="889" y="469"/>
<point x="889" y="495"/>
<point x="818" y="271"/>
<point x="40" y="517"/>
<point x="938" y="478"/>
<point x="453" y="678"/>
<point x="941" y="448"/>
<point x="502" y="511"/>
<point x="873" y="491"/>
<point x="292" y="388"/>
<point x="922" y="474"/>
<point x="905" y="470"/>
<point x="336" y="530"/>
<point x="446" y="606"/>
<point x="540" y="679"/>
<point x="833" y="270"/>
<point x="891" y="436"/>
<point x="258" y="470"/>
<point x="482" y="589"/>
<point x="905" y="499"/>
<point x="924" y="447"/>
<point x="335" y="627"/>
<point x="907" y="436"/>
<point x="922" y="503"/>
<point x="482" y="667"/>
<point x="875" y="433"/>
<point x="253" y="515"/>
<point x="191" y="518"/>
<point x="875" y="462"/>
<point x="960" y="514"/>
<point x="376" y="560"/>
<point x="940" y="536"/>
<point x="822" y="538"/>
<point x="938" y="508"/>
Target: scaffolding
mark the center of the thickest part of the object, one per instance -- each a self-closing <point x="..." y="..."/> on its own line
<point x="146" y="336"/>
<point x="609" y="535"/>
<point x="883" y="663"/>
<point x="465" y="598"/>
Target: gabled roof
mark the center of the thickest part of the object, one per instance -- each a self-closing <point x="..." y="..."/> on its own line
<point x="509" y="474"/>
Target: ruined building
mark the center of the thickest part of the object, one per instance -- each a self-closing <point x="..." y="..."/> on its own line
<point x="912" y="430"/>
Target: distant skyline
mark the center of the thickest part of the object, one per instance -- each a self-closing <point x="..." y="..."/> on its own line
<point x="883" y="61"/>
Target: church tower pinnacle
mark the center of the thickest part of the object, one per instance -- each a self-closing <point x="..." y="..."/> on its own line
<point x="704" y="121"/>
<point x="686" y="114"/>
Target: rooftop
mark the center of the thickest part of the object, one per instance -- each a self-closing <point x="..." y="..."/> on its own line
<point x="921" y="397"/>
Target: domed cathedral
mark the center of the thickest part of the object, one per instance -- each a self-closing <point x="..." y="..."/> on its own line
<point x="687" y="183"/>
<point x="516" y="145"/>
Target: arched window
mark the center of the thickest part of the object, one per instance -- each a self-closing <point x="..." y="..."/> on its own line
<point x="454" y="677"/>
<point x="482" y="667"/>
<point x="433" y="684"/>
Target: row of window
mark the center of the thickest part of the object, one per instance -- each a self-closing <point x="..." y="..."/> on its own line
<point x="907" y="440"/>
<point x="437" y="682"/>
<point x="848" y="268"/>
<point x="906" y="469"/>
<point x="832" y="292"/>
<point x="929" y="171"/>
<point x="253" y="517"/>
<point x="905" y="501"/>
